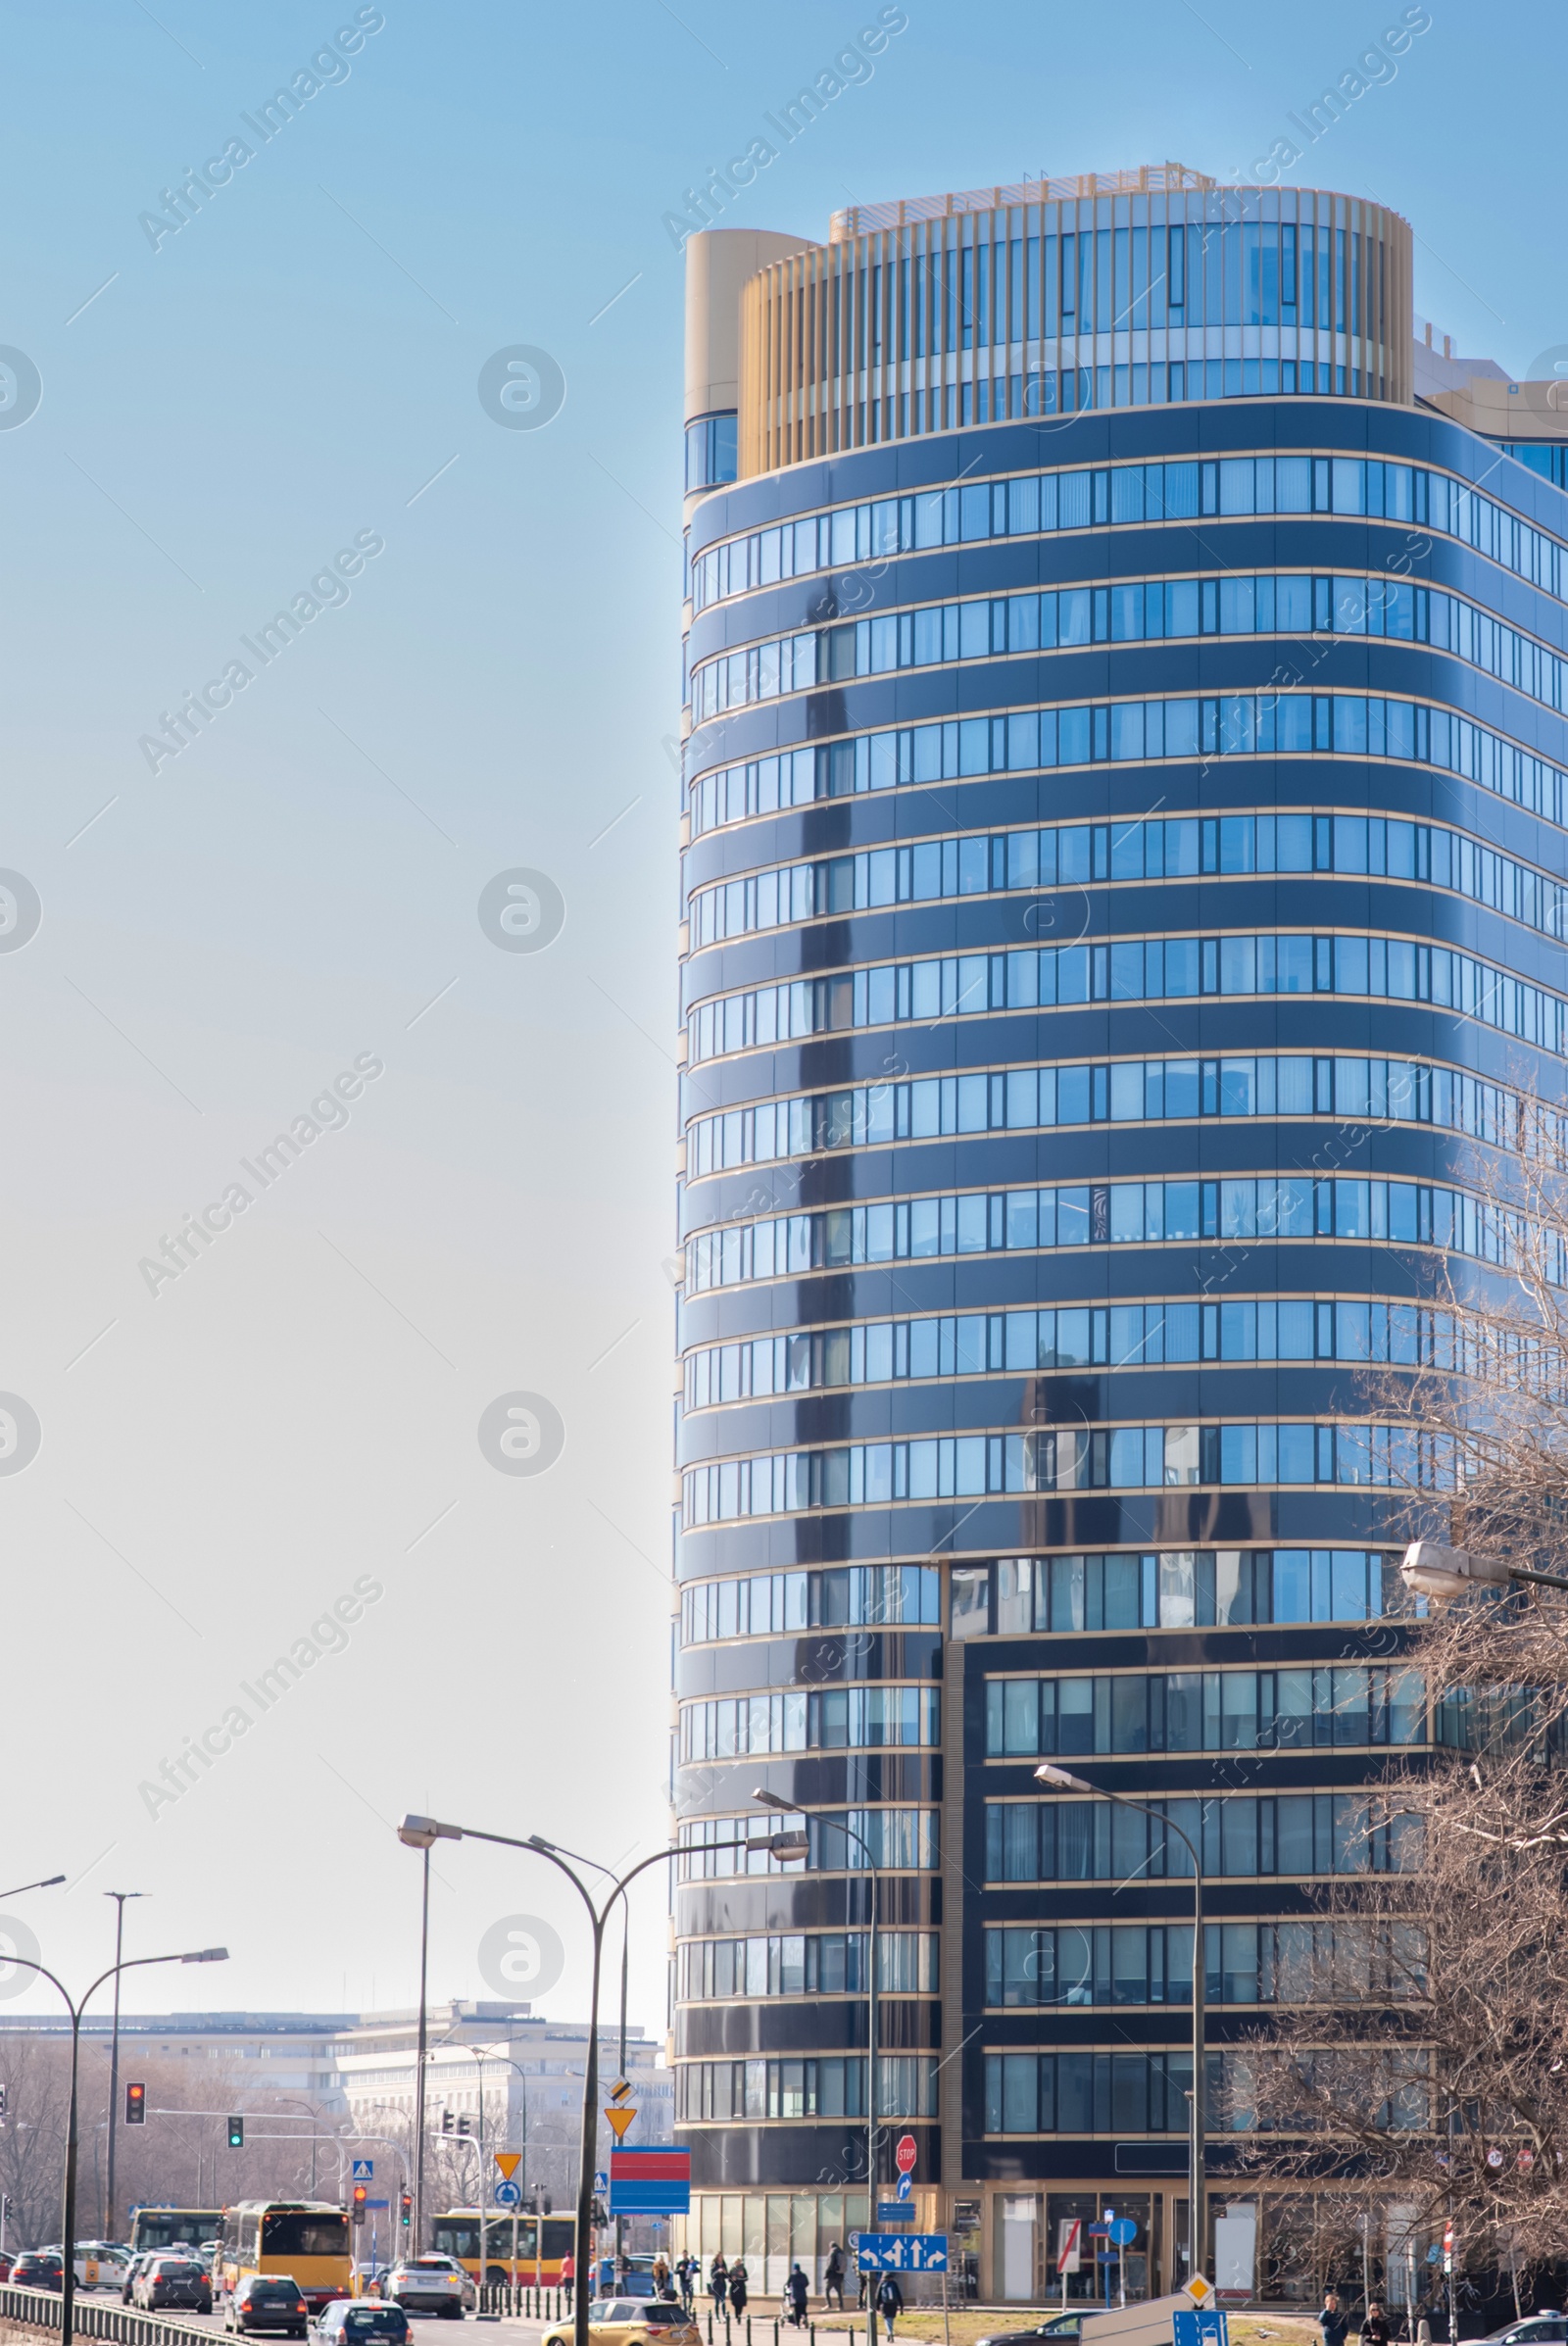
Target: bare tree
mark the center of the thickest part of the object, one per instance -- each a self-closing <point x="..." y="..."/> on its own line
<point x="1416" y="2061"/>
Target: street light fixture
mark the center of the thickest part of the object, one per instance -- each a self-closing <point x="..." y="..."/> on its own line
<point x="67" y="2233"/>
<point x="1446" y="1573"/>
<point x="1062" y="1780"/>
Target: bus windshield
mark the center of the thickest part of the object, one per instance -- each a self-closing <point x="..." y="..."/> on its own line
<point x="173" y="2227"/>
<point x="298" y="2232"/>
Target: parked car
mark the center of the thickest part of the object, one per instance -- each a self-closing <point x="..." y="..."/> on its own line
<point x="631" y="2322"/>
<point x="173" y="2280"/>
<point x="430" y="2285"/>
<point x="348" y="2320"/>
<point x="38" y="2269"/>
<point x="7" y="2260"/>
<point x="268" y="2301"/>
<point x="1543" y="2329"/>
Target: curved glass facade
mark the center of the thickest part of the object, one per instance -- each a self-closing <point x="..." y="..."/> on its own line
<point x="1062" y="1137"/>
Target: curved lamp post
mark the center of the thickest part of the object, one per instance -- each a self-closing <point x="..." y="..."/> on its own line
<point x="68" y="2247"/>
<point x="1196" y="2236"/>
<point x="422" y="1832"/>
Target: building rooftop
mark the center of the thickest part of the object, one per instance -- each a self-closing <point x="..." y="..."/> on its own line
<point x="1150" y="178"/>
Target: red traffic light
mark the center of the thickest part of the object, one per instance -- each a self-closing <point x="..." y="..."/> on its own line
<point x="135" y="2105"/>
<point x="357" y="2203"/>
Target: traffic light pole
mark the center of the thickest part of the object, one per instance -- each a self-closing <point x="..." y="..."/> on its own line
<point x="120" y="1897"/>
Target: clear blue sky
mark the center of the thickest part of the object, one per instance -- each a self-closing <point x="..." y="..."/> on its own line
<point x="494" y="689"/>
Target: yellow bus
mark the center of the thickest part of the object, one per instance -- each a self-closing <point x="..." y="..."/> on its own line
<point x="513" y="2252"/>
<point x="304" y="2237"/>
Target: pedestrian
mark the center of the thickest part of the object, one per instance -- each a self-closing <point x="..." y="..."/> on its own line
<point x="718" y="2283"/>
<point x="569" y="2276"/>
<point x="1375" y="2326"/>
<point x="737" y="2289"/>
<point x="1330" y="2320"/>
<point x="889" y="2301"/>
<point x="661" y="2277"/>
<point x="683" y="2280"/>
<point x="833" y="2279"/>
<point x="796" y="2290"/>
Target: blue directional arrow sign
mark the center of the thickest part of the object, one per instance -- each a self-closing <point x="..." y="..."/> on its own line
<point x="902" y="2252"/>
<point x="508" y="2195"/>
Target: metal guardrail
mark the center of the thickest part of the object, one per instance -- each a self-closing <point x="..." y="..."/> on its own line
<point x="98" y="2317"/>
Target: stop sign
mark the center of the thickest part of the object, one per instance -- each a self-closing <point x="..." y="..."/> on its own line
<point x="905" y="2154"/>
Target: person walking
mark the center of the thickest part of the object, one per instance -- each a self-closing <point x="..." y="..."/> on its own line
<point x="889" y="2301"/>
<point x="1332" y="2322"/>
<point x="683" y="2281"/>
<point x="833" y="2279"/>
<point x="738" y="2291"/>
<point x="718" y="2283"/>
<point x="797" y="2290"/>
<point x="569" y="2276"/>
<point x="1376" y="2330"/>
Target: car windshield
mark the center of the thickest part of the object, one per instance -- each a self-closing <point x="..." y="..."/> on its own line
<point x="656" y="2313"/>
<point x="273" y="2288"/>
<point x="375" y="2322"/>
<point x="177" y="2269"/>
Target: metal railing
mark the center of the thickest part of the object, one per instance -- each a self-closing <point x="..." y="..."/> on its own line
<point x="99" y="2317"/>
<point x="525" y="2305"/>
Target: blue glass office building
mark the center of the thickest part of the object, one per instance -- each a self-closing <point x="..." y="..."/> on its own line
<point x="1123" y="814"/>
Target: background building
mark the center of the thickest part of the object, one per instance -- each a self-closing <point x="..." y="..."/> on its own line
<point x="1123" y="802"/>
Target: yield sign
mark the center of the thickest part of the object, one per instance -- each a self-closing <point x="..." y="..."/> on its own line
<point x="620" y="2119"/>
<point x="507" y="2161"/>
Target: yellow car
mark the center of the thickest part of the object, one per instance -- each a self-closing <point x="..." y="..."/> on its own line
<point x="630" y="2321"/>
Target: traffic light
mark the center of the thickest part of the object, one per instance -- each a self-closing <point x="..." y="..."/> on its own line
<point x="407" y="2206"/>
<point x="236" y="2133"/>
<point x="458" y="2126"/>
<point x="135" y="2105"/>
<point x="358" y="2209"/>
<point x="2" y="2105"/>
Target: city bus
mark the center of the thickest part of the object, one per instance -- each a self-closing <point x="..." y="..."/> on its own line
<point x="512" y="2250"/>
<point x="173" y="2227"/>
<point x="304" y="2237"/>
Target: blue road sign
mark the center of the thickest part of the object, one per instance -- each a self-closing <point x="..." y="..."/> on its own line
<point x="902" y="2252"/>
<point x="378" y="2203"/>
<point x="894" y="2211"/>
<point x="905" y="2186"/>
<point x="363" y="2171"/>
<point x="508" y="2195"/>
<point x="1124" y="2232"/>
<point x="600" y="2180"/>
<point x="1206" y="2328"/>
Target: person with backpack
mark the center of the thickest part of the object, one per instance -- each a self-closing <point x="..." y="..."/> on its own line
<point x="833" y="2279"/>
<point x="889" y="2301"/>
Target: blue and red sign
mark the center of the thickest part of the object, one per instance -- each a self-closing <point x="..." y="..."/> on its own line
<point x="650" y="2181"/>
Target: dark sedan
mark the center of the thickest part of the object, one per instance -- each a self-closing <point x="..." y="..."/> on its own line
<point x="1064" y="2329"/>
<point x="36" y="2271"/>
<point x="269" y="2301"/>
<point x="173" y="2280"/>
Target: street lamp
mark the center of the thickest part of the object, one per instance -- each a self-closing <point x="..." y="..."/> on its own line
<point x="120" y="1897"/>
<point x="1062" y="1780"/>
<point x="1447" y="1573"/>
<point x="772" y="1800"/>
<point x="422" y="1832"/>
<point x="67" y="2254"/>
